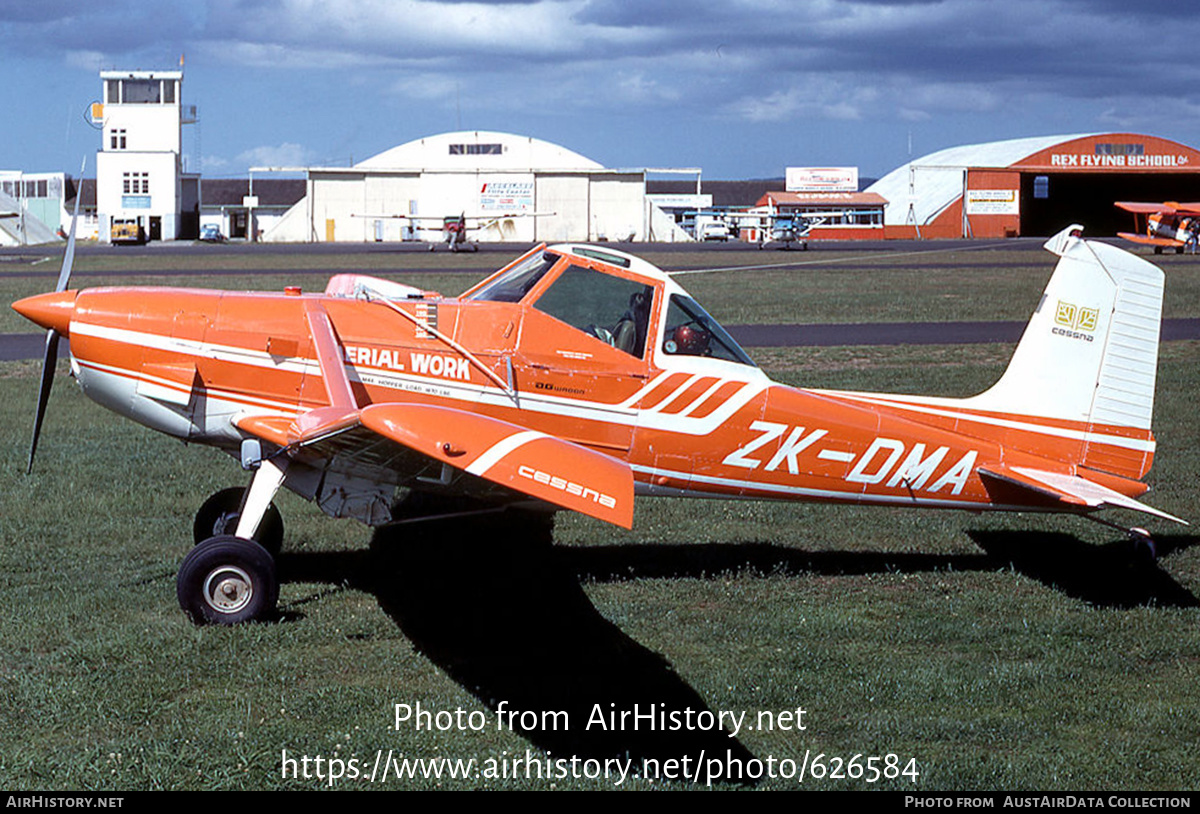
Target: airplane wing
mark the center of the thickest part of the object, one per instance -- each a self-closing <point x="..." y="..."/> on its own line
<point x="398" y="216"/>
<point x="1146" y="240"/>
<point x="403" y="443"/>
<point x="1166" y="208"/>
<point x="400" y="443"/>
<point x="484" y="220"/>
<point x="1057" y="490"/>
<point x="1142" y="208"/>
<point x="439" y="219"/>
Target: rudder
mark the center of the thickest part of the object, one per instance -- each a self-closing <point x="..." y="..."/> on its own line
<point x="1090" y="354"/>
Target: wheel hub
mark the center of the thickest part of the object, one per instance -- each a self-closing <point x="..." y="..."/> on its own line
<point x="228" y="589"/>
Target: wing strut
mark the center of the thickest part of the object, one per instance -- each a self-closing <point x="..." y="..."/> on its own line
<point x="329" y="357"/>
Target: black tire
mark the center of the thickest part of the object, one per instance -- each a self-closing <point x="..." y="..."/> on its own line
<point x="226" y="581"/>
<point x="220" y="514"/>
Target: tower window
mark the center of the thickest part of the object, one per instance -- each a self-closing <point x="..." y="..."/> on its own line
<point x="135" y="183"/>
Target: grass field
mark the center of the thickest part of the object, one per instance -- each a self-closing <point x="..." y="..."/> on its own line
<point x="1007" y="653"/>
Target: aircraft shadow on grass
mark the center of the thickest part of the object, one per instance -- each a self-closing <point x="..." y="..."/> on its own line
<point x="1110" y="575"/>
<point x="494" y="604"/>
<point x="1113" y="575"/>
<point x="490" y="601"/>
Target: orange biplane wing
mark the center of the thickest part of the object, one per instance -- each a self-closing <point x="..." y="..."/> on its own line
<point x="1166" y="208"/>
<point x="1146" y="240"/>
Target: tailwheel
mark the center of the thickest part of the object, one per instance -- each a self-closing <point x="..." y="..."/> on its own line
<point x="226" y="580"/>
<point x="220" y="514"/>
<point x="1144" y="549"/>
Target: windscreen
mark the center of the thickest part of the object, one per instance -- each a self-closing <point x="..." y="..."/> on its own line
<point x="514" y="284"/>
<point x="692" y="332"/>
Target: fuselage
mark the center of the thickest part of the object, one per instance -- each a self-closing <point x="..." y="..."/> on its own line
<point x="191" y="363"/>
<point x="1172" y="227"/>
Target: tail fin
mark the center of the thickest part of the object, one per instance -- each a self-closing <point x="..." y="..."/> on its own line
<point x="1090" y="354"/>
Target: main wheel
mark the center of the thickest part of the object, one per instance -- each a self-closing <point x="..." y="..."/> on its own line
<point x="226" y="581"/>
<point x="220" y="514"/>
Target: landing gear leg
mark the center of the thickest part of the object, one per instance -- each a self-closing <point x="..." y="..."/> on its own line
<point x="1141" y="544"/>
<point x="266" y="483"/>
<point x="229" y="578"/>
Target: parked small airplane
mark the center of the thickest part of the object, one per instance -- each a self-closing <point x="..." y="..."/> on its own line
<point x="784" y="228"/>
<point x="576" y="377"/>
<point x="788" y="229"/>
<point x="455" y="229"/>
<point x="1167" y="225"/>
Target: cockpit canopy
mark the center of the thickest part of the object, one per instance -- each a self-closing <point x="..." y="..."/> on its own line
<point x="602" y="294"/>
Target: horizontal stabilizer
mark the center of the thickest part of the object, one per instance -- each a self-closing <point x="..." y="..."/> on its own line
<point x="1070" y="492"/>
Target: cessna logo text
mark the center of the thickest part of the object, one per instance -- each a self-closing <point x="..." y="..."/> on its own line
<point x="564" y="485"/>
<point x="1075" y="322"/>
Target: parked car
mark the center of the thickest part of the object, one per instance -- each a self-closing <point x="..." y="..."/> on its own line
<point x="211" y="233"/>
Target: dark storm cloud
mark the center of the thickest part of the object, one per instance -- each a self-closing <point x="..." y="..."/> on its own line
<point x="756" y="60"/>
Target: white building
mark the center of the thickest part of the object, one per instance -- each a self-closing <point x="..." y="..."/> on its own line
<point x="31" y="207"/>
<point x="548" y="192"/>
<point x="139" y="172"/>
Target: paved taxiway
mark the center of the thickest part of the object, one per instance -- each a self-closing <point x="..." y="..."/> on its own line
<point x="24" y="262"/>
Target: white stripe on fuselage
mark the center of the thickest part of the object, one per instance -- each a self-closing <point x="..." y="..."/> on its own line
<point x="622" y="414"/>
<point x="944" y="409"/>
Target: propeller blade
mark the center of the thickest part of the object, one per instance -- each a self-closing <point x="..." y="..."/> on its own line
<point x="48" y="363"/>
<point x="50" y="360"/>
<point x="64" y="275"/>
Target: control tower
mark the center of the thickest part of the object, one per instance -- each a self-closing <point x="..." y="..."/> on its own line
<point x="139" y="171"/>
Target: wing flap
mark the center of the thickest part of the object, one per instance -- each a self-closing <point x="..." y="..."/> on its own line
<point x="1069" y="492"/>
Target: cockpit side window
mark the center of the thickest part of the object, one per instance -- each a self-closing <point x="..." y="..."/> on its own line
<point x="612" y="309"/>
<point x="518" y="280"/>
<point x="692" y="332"/>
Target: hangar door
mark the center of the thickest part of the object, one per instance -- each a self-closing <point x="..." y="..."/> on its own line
<point x="1051" y="202"/>
<point x="567" y="197"/>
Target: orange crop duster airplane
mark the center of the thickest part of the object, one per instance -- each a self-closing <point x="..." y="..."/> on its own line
<point x="577" y="377"/>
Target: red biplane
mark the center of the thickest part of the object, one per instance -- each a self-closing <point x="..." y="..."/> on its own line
<point x="1166" y="226"/>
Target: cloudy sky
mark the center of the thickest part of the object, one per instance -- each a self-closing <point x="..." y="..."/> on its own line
<point x="740" y="88"/>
